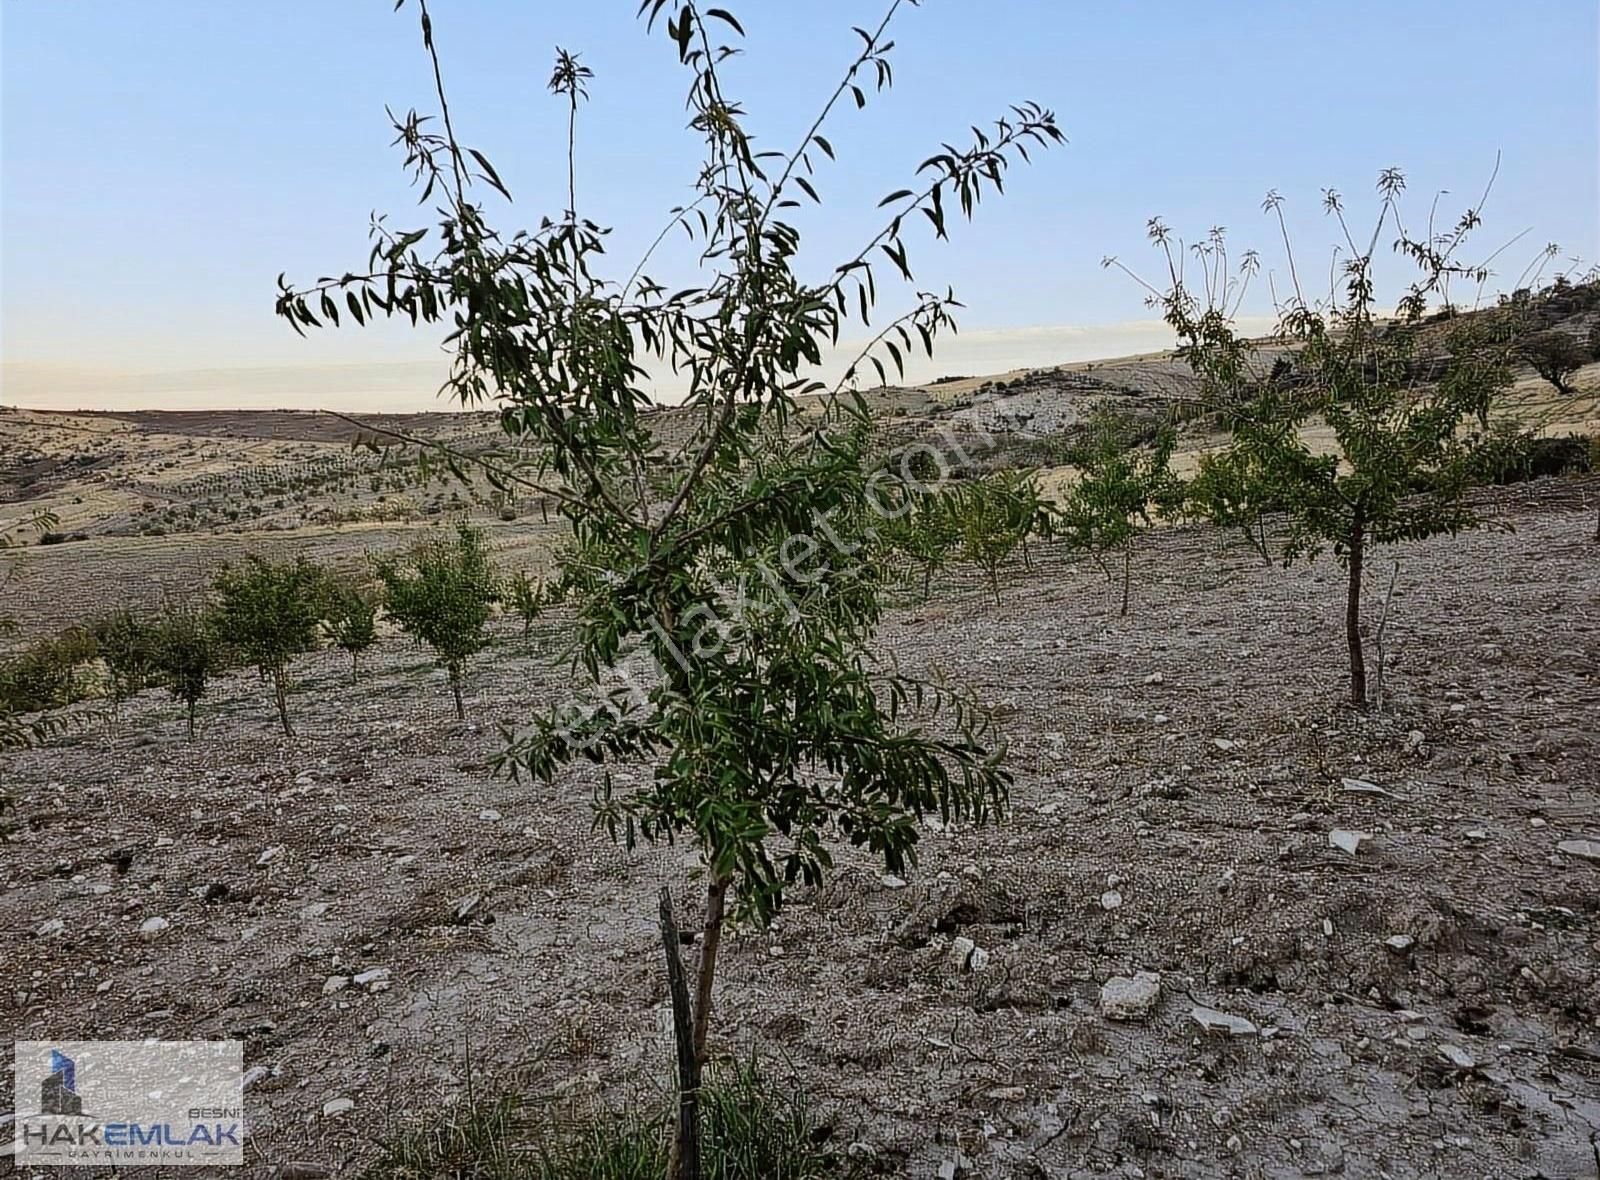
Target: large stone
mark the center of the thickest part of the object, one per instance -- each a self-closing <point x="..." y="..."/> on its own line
<point x="1226" y="1023"/>
<point x="1347" y="840"/>
<point x="153" y="928"/>
<point x="1586" y="849"/>
<point x="1124" y="997"/>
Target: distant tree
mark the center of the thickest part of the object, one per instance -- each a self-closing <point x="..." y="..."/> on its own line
<point x="125" y="642"/>
<point x="1118" y="484"/>
<point x="1230" y="491"/>
<point x="441" y="596"/>
<point x="1404" y="458"/>
<point x="270" y="612"/>
<point x="185" y="653"/>
<point x="921" y="526"/>
<point x="525" y="596"/>
<point x="1555" y="355"/>
<point x="352" y="618"/>
<point x="993" y="516"/>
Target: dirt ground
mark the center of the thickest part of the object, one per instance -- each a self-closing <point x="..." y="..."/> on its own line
<point x="1183" y="767"/>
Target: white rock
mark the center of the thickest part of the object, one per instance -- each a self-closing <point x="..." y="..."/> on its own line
<point x="890" y="881"/>
<point x="375" y="976"/>
<point x="51" y="928"/>
<point x="337" y="1106"/>
<point x="1360" y="786"/>
<point x="489" y="815"/>
<point x="269" y="855"/>
<point x="1346" y="840"/>
<point x="1110" y="900"/>
<point x="1213" y="1021"/>
<point x="335" y="983"/>
<point x="1400" y="943"/>
<point x="1224" y="744"/>
<point x="1154" y="678"/>
<point x="1457" y="1056"/>
<point x="153" y="928"/>
<point x="1587" y="849"/>
<point x="968" y="955"/>
<point x="315" y="910"/>
<point x="1477" y="834"/>
<point x="1124" y="997"/>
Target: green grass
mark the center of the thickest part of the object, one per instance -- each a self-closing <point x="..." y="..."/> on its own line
<point x="751" y="1129"/>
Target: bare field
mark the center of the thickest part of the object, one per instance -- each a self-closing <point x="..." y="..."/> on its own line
<point x="1188" y="760"/>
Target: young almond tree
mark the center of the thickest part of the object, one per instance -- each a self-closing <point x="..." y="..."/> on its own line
<point x="1118" y="484"/>
<point x="771" y="729"/>
<point x="352" y="618"/>
<point x="185" y="654"/>
<point x="993" y="516"/>
<point x="271" y="612"/>
<point x="526" y="596"/>
<point x="441" y="596"/>
<point x="1231" y="492"/>
<point x="125" y="644"/>
<point x="1398" y="409"/>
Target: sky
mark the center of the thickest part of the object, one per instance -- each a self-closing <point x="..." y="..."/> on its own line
<point x="162" y="162"/>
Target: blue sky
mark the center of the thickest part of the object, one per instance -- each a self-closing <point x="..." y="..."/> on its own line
<point x="161" y="162"/>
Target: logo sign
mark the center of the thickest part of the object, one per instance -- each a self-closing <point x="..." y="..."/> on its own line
<point x="127" y="1104"/>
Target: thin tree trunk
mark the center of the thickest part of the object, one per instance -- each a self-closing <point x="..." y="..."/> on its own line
<point x="355" y="658"/>
<point x="280" y="694"/>
<point x="1127" y="576"/>
<point x="1352" y="612"/>
<point x="685" y="1163"/>
<point x="455" y="687"/>
<point x="191" y="721"/>
<point x="716" y="899"/>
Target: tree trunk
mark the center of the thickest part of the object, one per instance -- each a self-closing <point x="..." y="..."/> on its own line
<point x="355" y="658"/>
<point x="716" y="898"/>
<point x="685" y="1163"/>
<point x="927" y="578"/>
<point x="280" y="695"/>
<point x="1352" y="611"/>
<point x="191" y="721"/>
<point x="455" y="687"/>
<point x="1127" y="576"/>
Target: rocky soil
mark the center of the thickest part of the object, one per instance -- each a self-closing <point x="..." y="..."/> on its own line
<point x="1332" y="944"/>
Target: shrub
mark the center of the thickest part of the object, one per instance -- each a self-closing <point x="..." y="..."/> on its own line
<point x="525" y="596"/>
<point x="1109" y="506"/>
<point x="125" y="643"/>
<point x="352" y="618"/>
<point x="1230" y="491"/>
<point x="270" y="612"/>
<point x="993" y="515"/>
<point x="441" y="597"/>
<point x="185" y="654"/>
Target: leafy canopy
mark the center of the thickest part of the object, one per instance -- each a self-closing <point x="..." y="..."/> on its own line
<point x="769" y="725"/>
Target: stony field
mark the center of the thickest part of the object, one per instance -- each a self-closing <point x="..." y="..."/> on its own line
<point x="378" y="918"/>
